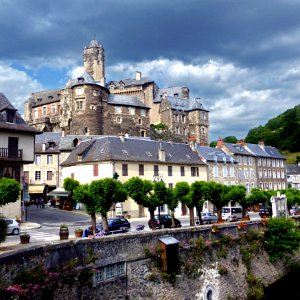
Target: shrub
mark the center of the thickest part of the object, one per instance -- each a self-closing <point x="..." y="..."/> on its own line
<point x="281" y="238"/>
<point x="3" y="229"/>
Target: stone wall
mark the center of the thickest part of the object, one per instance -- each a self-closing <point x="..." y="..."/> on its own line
<point x="127" y="266"/>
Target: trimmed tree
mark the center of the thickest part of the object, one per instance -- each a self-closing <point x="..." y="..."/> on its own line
<point x="105" y="193"/>
<point x="9" y="190"/>
<point x="214" y="192"/>
<point x="181" y="191"/>
<point x="197" y="195"/>
<point x="70" y="185"/>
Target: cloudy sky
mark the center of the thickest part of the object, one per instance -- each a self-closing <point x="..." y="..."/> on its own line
<point x="241" y="57"/>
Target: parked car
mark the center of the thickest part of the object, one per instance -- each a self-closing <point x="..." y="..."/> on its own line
<point x="209" y="218"/>
<point x="119" y="224"/>
<point x="165" y="221"/>
<point x="13" y="226"/>
<point x="232" y="213"/>
<point x="264" y="212"/>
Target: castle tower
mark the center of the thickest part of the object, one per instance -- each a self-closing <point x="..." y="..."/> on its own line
<point x="93" y="61"/>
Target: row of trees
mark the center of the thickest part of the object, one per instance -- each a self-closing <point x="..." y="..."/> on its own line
<point x="100" y="195"/>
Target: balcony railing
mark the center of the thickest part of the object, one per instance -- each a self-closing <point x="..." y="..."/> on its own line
<point x="7" y="153"/>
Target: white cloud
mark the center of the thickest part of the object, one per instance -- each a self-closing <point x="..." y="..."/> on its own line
<point x="17" y="86"/>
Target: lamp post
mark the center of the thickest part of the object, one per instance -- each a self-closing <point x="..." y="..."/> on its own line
<point x="157" y="178"/>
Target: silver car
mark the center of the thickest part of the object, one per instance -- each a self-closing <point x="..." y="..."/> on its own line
<point x="209" y="218"/>
<point x="13" y="226"/>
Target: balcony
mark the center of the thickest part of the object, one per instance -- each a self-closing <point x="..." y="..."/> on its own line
<point x="11" y="154"/>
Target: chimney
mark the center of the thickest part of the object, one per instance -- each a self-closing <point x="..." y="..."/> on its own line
<point x="220" y="143"/>
<point x="192" y="142"/>
<point x="161" y="153"/>
<point x="241" y="142"/>
<point x="138" y="75"/>
<point x="261" y="144"/>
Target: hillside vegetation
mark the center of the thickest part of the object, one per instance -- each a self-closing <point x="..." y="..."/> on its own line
<point x="282" y="132"/>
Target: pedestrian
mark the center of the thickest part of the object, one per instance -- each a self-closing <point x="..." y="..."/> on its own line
<point x="37" y="202"/>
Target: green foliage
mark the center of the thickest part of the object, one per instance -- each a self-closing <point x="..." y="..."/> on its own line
<point x="230" y="139"/>
<point x="9" y="190"/>
<point x="281" y="238"/>
<point x="282" y="132"/>
<point x="3" y="229"/>
<point x="106" y="192"/>
<point x="256" y="288"/>
<point x="71" y="185"/>
<point x="292" y="195"/>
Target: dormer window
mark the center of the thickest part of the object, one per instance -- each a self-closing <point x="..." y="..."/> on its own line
<point x="10" y="116"/>
<point x="121" y="85"/>
<point x="176" y="95"/>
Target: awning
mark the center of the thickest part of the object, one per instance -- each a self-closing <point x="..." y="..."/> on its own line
<point x="59" y="192"/>
<point x="36" y="189"/>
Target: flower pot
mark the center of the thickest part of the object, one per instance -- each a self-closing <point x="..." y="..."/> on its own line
<point x="24" y="239"/>
<point x="78" y="234"/>
<point x="64" y="233"/>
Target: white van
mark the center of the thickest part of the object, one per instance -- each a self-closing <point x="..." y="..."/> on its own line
<point x="232" y="213"/>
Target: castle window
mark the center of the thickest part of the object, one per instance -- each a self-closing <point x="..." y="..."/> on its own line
<point x="177" y="129"/>
<point x="183" y="119"/>
<point x="143" y="112"/>
<point x="202" y="130"/>
<point x="140" y="121"/>
<point x="79" y="105"/>
<point x="132" y="111"/>
<point x="118" y="110"/>
<point x="10" y="116"/>
<point x="119" y="120"/>
<point x="176" y="95"/>
<point x="35" y="113"/>
<point x="203" y="115"/>
<point x="44" y="110"/>
<point x="143" y="133"/>
<point x="53" y="108"/>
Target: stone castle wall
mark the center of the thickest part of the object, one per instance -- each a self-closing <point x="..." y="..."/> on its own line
<point x="121" y="268"/>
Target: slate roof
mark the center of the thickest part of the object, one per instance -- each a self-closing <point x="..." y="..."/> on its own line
<point x="45" y="97"/>
<point x="274" y="152"/>
<point x="293" y="169"/>
<point x="111" y="148"/>
<point x="257" y="150"/>
<point x="131" y="82"/>
<point x="125" y="100"/>
<point x="237" y="149"/>
<point x="67" y="142"/>
<point x="19" y="125"/>
<point x="185" y="104"/>
<point x="170" y="91"/>
<point x="85" y="78"/>
<point x="52" y="141"/>
<point x="211" y="154"/>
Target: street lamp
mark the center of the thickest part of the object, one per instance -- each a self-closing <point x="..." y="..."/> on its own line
<point x="157" y="178"/>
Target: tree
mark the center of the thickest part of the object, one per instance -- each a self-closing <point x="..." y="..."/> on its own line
<point x="83" y="195"/>
<point x="292" y="195"/>
<point x="172" y="203"/>
<point x="9" y="190"/>
<point x="230" y="139"/>
<point x="105" y="193"/>
<point x="182" y="190"/>
<point x="71" y="185"/>
<point x="214" y="192"/>
<point x="197" y="195"/>
<point x="237" y="194"/>
<point x="258" y="196"/>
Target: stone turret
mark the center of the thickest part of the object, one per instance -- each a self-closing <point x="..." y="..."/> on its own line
<point x="93" y="61"/>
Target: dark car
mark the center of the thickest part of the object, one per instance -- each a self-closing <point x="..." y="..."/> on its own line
<point x="165" y="221"/>
<point x="265" y="212"/>
<point x="119" y="224"/>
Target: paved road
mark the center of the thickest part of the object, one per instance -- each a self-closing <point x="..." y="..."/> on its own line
<point x="50" y="220"/>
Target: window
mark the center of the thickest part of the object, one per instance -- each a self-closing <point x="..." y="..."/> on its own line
<point x="124" y="170"/>
<point x="155" y="170"/>
<point x="35" y="113"/>
<point x="240" y="174"/>
<point x="141" y="170"/>
<point x="282" y="174"/>
<point x="245" y="159"/>
<point x="231" y="171"/>
<point x="270" y="173"/>
<point x="53" y="109"/>
<point x="224" y="171"/>
<point x="182" y="171"/>
<point x="203" y="115"/>
<point x="10" y="116"/>
<point x="246" y="174"/>
<point x="37" y="159"/>
<point x="216" y="171"/>
<point x="170" y="171"/>
<point x="203" y="131"/>
<point x="132" y="111"/>
<point x="250" y="160"/>
<point x="143" y="112"/>
<point x="140" y="121"/>
<point x="194" y="171"/>
<point x="119" y="120"/>
<point x="251" y="174"/>
<point x="44" y="110"/>
<point x="49" y="159"/>
<point x="239" y="159"/>
<point x="118" y="110"/>
<point x="95" y="170"/>
<point x="183" y="119"/>
<point x="177" y="130"/>
<point x="49" y="175"/>
<point x="170" y="185"/>
<point x="37" y="175"/>
<point x="79" y="105"/>
<point x="184" y="131"/>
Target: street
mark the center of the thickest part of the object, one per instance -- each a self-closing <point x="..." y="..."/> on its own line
<point x="50" y="220"/>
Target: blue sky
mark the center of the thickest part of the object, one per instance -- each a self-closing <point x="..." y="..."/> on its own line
<point x="241" y="57"/>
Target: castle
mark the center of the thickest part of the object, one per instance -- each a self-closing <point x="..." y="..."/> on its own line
<point x="91" y="106"/>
